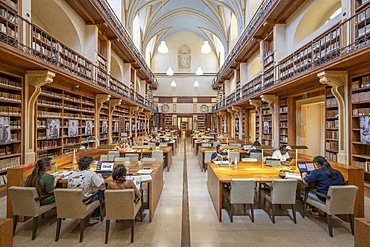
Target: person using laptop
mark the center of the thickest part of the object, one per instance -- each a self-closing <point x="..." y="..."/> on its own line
<point x="253" y="149"/>
<point x="322" y="177"/>
<point x="282" y="154"/>
<point x="218" y="155"/>
<point x="89" y="181"/>
<point x="119" y="181"/>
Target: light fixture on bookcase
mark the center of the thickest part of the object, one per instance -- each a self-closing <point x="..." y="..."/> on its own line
<point x="173" y="83"/>
<point x="196" y="83"/>
<point x="162" y="48"/>
<point x="169" y="71"/>
<point x="199" y="71"/>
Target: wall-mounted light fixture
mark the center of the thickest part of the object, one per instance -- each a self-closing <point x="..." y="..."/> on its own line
<point x="169" y="71"/>
<point x="162" y="48"/>
<point x="173" y="83"/>
<point x="196" y="84"/>
<point x="206" y="48"/>
<point x="199" y="71"/>
<point x="74" y="88"/>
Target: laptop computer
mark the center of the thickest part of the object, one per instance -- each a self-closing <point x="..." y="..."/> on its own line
<point x="247" y="147"/>
<point x="306" y="167"/>
<point x="105" y="168"/>
<point x="273" y="162"/>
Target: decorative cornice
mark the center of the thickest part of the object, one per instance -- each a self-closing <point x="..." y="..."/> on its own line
<point x="270" y="99"/>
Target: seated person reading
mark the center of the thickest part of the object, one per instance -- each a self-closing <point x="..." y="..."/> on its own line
<point x="253" y="149"/>
<point x="282" y="154"/>
<point x="43" y="182"/>
<point x="89" y="181"/>
<point x="119" y="181"/>
<point x="322" y="177"/>
<point x="218" y="155"/>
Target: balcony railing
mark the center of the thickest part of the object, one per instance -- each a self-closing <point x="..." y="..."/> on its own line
<point x="330" y="45"/>
<point x="114" y="22"/>
<point x="36" y="42"/>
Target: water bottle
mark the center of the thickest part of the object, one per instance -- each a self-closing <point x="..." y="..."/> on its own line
<point x="236" y="162"/>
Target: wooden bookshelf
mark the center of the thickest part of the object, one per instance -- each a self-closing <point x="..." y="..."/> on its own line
<point x="257" y="130"/>
<point x="267" y="125"/>
<point x="11" y="121"/>
<point x="283" y="121"/>
<point x="326" y="46"/>
<point x="64" y="118"/>
<point x="8" y="21"/>
<point x="362" y="23"/>
<point x="360" y="141"/>
<point x="268" y="60"/>
<point x="331" y="126"/>
<point x="104" y="124"/>
<point x="120" y="118"/>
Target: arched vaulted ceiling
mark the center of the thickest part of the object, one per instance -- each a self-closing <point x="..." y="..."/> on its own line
<point x="162" y="18"/>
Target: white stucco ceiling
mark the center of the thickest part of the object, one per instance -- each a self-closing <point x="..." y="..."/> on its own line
<point x="162" y="18"/>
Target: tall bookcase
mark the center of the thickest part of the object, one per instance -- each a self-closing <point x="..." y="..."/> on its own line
<point x="268" y="60"/>
<point x="362" y="23"/>
<point x="331" y="126"/>
<point x="267" y="125"/>
<point x="257" y="131"/>
<point x="283" y="121"/>
<point x="104" y="124"/>
<point x="360" y="141"/>
<point x="11" y="121"/>
<point x="8" y="21"/>
<point x="64" y="119"/>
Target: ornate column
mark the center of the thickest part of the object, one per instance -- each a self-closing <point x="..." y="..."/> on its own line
<point x="271" y="100"/>
<point x="148" y="115"/>
<point x="112" y="105"/>
<point x="35" y="79"/>
<point x="223" y="117"/>
<point x="239" y="112"/>
<point x="99" y="100"/>
<point x="257" y="103"/>
<point x="232" y="122"/>
<point x="338" y="80"/>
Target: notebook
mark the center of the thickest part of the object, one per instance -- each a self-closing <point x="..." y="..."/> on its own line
<point x="272" y="162"/>
<point x="306" y="167"/>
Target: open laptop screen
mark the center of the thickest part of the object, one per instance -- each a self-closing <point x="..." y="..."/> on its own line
<point x="306" y="167"/>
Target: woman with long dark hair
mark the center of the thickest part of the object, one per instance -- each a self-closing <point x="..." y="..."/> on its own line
<point x="43" y="182"/>
<point x="323" y="177"/>
<point x="119" y="180"/>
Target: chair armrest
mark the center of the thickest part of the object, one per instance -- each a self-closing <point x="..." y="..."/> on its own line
<point x="314" y="192"/>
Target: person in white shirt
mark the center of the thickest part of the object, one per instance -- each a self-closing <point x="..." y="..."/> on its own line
<point x="89" y="181"/>
<point x="282" y="154"/>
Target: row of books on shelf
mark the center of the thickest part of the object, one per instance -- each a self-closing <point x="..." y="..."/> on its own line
<point x="3" y="179"/>
<point x="51" y="92"/>
<point x="332" y="145"/>
<point x="364" y="30"/>
<point x="331" y="113"/>
<point x="7" y="15"/>
<point x="362" y="164"/>
<point x="15" y="123"/>
<point x="10" y="110"/>
<point x="283" y="139"/>
<point x="361" y="96"/>
<point x="12" y="3"/>
<point x="283" y="131"/>
<point x="361" y="83"/>
<point x="283" y="117"/>
<point x="361" y="112"/>
<point x="9" y="162"/>
<point x="48" y="153"/>
<point x="283" y="124"/>
<point x="44" y="144"/>
<point x="6" y="150"/>
<point x="283" y="109"/>
<point x="14" y="136"/>
<point x="331" y="135"/>
<point x="266" y="118"/>
<point x="331" y="156"/>
<point x="8" y="82"/>
<point x="332" y="124"/>
<point x="363" y="15"/>
<point x="49" y="103"/>
<point x="331" y="102"/>
<point x="266" y="111"/>
<point x="76" y="66"/>
<point x="87" y="109"/>
<point x="10" y="96"/>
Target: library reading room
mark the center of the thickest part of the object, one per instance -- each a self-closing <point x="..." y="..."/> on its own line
<point x="178" y="123"/>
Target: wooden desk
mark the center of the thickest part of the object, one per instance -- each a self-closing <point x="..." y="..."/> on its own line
<point x="217" y="175"/>
<point x="167" y="152"/>
<point x="201" y="155"/>
<point x="155" y="186"/>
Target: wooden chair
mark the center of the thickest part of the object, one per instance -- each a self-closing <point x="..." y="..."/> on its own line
<point x="71" y="203"/>
<point x="121" y="205"/>
<point x="283" y="191"/>
<point x="207" y="157"/>
<point x="158" y="155"/>
<point x="339" y="200"/>
<point x="121" y="159"/>
<point x="26" y="202"/>
<point x="242" y="191"/>
<point x="113" y="154"/>
<point x="249" y="160"/>
<point x="104" y="157"/>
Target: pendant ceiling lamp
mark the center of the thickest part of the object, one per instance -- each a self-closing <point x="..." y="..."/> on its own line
<point x="206" y="48"/>
<point x="199" y="71"/>
<point x="173" y="83"/>
<point x="196" y="84"/>
<point x="169" y="71"/>
<point x="162" y="48"/>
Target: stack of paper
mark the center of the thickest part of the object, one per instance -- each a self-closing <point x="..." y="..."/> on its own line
<point x="146" y="178"/>
<point x="293" y="175"/>
<point x="144" y="171"/>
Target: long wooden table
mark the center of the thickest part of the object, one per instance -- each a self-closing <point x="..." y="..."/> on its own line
<point x="17" y="176"/>
<point x="217" y="176"/>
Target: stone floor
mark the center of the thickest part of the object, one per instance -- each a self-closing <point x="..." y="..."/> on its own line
<point x="205" y="230"/>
